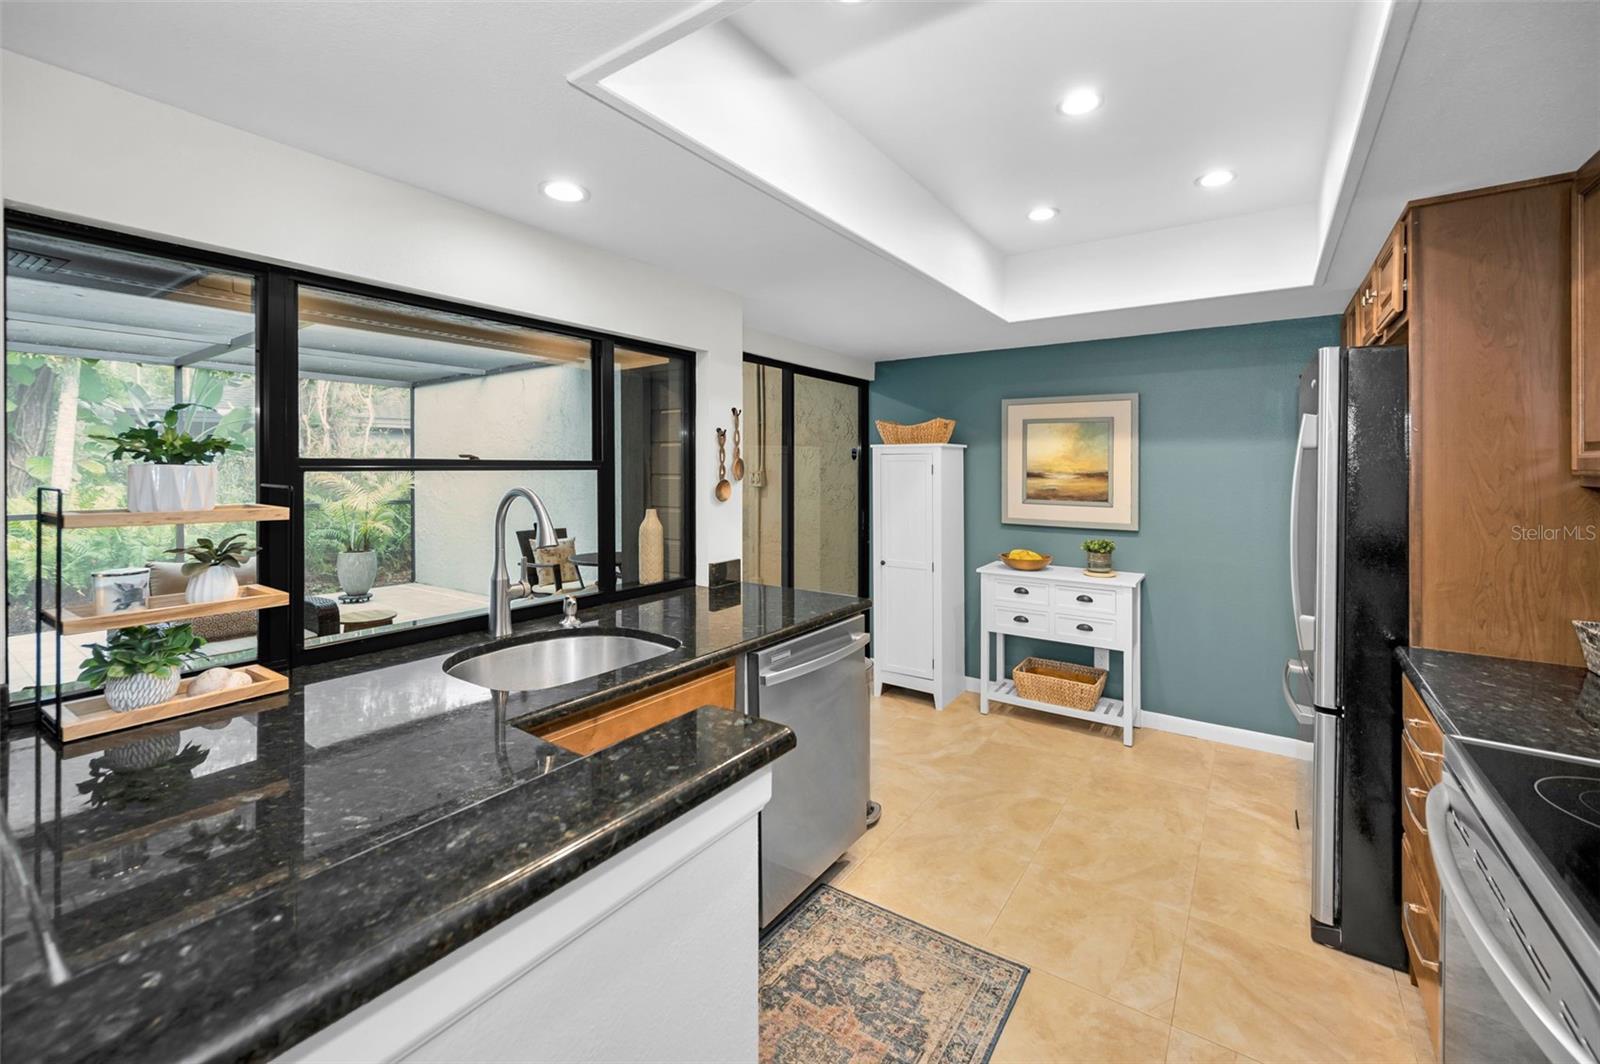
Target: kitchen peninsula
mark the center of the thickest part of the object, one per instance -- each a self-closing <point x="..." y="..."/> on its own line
<point x="294" y="875"/>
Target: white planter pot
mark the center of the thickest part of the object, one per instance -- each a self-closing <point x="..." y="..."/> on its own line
<point x="153" y="487"/>
<point x="357" y="571"/>
<point x="144" y="753"/>
<point x="136" y="692"/>
<point x="214" y="583"/>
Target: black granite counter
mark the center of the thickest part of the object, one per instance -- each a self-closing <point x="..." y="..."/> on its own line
<point x="1548" y="708"/>
<point x="221" y="887"/>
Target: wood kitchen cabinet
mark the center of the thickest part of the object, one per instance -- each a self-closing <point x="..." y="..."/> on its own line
<point x="1586" y="322"/>
<point x="1421" y="761"/>
<point x="1387" y="284"/>
<point x="613" y="722"/>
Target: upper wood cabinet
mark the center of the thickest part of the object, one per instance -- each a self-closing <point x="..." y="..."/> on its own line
<point x="1586" y="321"/>
<point x="1388" y="281"/>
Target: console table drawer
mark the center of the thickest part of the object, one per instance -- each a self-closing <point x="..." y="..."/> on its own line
<point x="1022" y="592"/>
<point x="1087" y="601"/>
<point x="1009" y="618"/>
<point x="1088" y="631"/>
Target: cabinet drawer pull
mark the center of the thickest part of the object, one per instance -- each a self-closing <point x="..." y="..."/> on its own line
<point x="1412" y="908"/>
<point x="1085" y="598"/>
<point x="1417" y="749"/>
<point x="1085" y="627"/>
<point x="1020" y="619"/>
<point x="1019" y="590"/>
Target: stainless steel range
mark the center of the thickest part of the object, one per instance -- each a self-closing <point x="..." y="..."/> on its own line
<point x="1515" y="836"/>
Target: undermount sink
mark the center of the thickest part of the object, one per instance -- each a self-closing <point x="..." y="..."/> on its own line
<point x="555" y="659"/>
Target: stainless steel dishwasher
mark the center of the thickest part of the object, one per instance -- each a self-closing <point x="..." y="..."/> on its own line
<point x="817" y="685"/>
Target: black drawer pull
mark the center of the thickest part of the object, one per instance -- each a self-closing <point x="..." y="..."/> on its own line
<point x="1020" y="619"/>
<point x="1085" y="598"/>
<point x="1085" y="627"/>
<point x="1020" y="590"/>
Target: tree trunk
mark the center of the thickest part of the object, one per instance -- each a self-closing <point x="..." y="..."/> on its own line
<point x="28" y="429"/>
<point x="63" y="468"/>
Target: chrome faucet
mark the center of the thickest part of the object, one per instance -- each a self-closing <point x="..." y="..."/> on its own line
<point x="501" y="589"/>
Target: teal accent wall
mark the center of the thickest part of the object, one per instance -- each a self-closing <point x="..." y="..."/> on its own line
<point x="1217" y="425"/>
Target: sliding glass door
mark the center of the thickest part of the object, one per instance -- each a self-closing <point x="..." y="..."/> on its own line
<point x="804" y="443"/>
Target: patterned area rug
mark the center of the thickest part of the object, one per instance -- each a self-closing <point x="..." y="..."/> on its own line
<point x="845" y="982"/>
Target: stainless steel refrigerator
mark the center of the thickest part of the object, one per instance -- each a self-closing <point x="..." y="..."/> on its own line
<point x="1349" y="590"/>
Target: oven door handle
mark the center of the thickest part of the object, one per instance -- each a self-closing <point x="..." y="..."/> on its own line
<point x="1502" y="969"/>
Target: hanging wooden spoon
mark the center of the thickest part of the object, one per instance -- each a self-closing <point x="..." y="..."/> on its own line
<point x="724" y="490"/>
<point x="738" y="459"/>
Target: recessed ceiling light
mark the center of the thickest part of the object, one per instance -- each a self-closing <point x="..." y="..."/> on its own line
<point x="1214" y="178"/>
<point x="1080" y="101"/>
<point x="565" y="191"/>
<point x="1042" y="214"/>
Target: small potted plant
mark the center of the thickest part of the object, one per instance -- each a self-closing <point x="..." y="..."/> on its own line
<point x="139" y="666"/>
<point x="1098" y="553"/>
<point x="171" y="469"/>
<point x="211" y="568"/>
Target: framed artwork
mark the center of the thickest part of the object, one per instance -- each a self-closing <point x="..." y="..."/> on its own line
<point x="1070" y="461"/>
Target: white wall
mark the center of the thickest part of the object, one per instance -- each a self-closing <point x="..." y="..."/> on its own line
<point x="786" y="350"/>
<point x="77" y="148"/>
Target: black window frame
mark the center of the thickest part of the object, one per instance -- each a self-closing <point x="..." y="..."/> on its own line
<point x="280" y="469"/>
<point x="788" y="371"/>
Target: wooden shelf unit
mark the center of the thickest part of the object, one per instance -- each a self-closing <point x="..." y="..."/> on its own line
<point x="83" y="717"/>
<point x="217" y="515"/>
<point x="166" y="608"/>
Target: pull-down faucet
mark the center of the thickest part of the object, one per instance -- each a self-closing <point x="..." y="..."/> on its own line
<point x="501" y="589"/>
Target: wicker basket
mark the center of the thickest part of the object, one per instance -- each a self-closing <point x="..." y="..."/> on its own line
<point x="939" y="430"/>
<point x="1060" y="683"/>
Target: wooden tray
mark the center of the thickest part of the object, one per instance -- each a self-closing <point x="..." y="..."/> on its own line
<point x="84" y="717"/>
<point x="247" y="511"/>
<point x="164" y="608"/>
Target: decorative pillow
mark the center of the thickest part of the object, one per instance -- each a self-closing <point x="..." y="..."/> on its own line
<point x="550" y="559"/>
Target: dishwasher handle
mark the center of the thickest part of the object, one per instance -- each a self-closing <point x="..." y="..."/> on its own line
<point x="773" y="677"/>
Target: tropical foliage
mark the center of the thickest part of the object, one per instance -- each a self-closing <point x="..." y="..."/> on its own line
<point x="232" y="552"/>
<point x="349" y="512"/>
<point x="146" y="649"/>
<point x="161" y="442"/>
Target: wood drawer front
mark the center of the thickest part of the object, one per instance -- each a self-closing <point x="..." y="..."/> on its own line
<point x="1022" y="620"/>
<point x="1090" y="602"/>
<point x="1420" y="926"/>
<point x="1422" y="730"/>
<point x="1414" y="787"/>
<point x="609" y="724"/>
<point x="1088" y="631"/>
<point x="1021" y="592"/>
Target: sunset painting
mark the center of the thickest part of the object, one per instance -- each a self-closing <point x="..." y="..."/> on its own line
<point x="1067" y="460"/>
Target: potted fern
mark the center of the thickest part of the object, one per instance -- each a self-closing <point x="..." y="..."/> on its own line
<point x="211" y="566"/>
<point x="171" y="469"/>
<point x="140" y="666"/>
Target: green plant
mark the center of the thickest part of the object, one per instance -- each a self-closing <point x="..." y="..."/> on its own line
<point x="1098" y="546"/>
<point x="359" y="516"/>
<point x="161" y="442"/>
<point x="232" y="552"/>
<point x="146" y="649"/>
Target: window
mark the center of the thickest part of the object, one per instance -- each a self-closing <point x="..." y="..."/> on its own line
<point x="100" y="339"/>
<point x="392" y="423"/>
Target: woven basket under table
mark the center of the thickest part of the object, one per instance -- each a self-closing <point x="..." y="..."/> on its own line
<point x="1060" y="683"/>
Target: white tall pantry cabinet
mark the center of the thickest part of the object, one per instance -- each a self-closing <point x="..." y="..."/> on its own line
<point x="918" y="570"/>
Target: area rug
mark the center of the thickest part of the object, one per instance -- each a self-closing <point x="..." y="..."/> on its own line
<point x="845" y="982"/>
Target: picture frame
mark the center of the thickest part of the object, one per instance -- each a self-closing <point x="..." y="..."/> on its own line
<point x="1070" y="461"/>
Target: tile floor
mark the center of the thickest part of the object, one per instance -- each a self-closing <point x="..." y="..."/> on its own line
<point x="1157" y="893"/>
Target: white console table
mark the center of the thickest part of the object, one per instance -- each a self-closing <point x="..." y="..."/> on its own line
<point x="1062" y="605"/>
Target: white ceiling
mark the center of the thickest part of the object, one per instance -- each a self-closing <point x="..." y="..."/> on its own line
<point x="473" y="101"/>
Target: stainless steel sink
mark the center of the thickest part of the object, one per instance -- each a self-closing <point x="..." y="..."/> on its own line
<point x="555" y="659"/>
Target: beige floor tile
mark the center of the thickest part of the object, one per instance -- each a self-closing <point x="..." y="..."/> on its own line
<point x="1186" y="1048"/>
<point x="1416" y="1019"/>
<point x="1170" y="757"/>
<point x="1251" y="778"/>
<point x="1257" y="899"/>
<point x="952" y="882"/>
<point x="1116" y="945"/>
<point x="1157" y="866"/>
<point x="1055" y="1022"/>
<point x="1242" y="836"/>
<point x="1125" y="802"/>
<point x="1046" y="731"/>
<point x="1277" y="1004"/>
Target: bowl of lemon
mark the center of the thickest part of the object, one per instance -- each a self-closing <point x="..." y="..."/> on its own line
<point x="1029" y="561"/>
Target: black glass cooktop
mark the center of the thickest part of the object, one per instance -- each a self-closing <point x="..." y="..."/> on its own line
<point x="1556" y="804"/>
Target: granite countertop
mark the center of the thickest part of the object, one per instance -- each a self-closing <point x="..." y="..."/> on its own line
<point x="1528" y="704"/>
<point x="221" y="887"/>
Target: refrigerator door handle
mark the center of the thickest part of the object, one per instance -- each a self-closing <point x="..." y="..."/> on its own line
<point x="1304" y="453"/>
<point x="1324" y="814"/>
<point x="1303" y="713"/>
